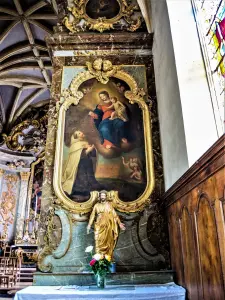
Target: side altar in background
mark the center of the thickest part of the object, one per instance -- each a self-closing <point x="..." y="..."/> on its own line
<point x="102" y="135"/>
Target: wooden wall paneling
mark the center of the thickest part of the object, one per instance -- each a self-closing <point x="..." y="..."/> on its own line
<point x="175" y="243"/>
<point x="197" y="200"/>
<point x="209" y="252"/>
<point x="190" y="260"/>
<point x="220" y="223"/>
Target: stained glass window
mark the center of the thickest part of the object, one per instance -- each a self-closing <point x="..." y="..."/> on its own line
<point x="210" y="19"/>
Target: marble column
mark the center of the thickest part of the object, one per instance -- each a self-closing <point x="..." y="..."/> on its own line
<point x="20" y="224"/>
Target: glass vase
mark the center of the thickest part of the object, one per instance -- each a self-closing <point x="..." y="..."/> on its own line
<point x="100" y="280"/>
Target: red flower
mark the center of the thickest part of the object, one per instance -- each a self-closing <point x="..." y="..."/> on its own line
<point x="92" y="262"/>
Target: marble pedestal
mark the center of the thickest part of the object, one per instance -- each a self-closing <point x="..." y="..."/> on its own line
<point x="84" y="279"/>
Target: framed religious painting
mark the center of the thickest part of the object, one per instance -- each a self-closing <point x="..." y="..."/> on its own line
<point x="104" y="137"/>
<point x="108" y="9"/>
<point x="102" y="15"/>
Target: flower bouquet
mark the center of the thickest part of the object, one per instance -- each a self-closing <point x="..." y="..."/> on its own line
<point x="100" y="265"/>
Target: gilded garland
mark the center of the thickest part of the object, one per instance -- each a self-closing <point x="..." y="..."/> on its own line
<point x="101" y="15"/>
<point x="102" y="71"/>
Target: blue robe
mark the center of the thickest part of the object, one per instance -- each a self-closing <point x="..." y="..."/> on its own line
<point x="111" y="130"/>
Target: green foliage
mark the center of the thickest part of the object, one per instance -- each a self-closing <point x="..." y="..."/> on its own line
<point x="101" y="267"/>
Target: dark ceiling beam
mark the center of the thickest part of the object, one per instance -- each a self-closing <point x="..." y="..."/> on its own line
<point x="41" y="47"/>
<point x="55" y="6"/>
<point x="21" y="68"/>
<point x="18" y="85"/>
<point x="8" y="11"/>
<point x="41" y="103"/>
<point x="32" y="86"/>
<point x="15" y="103"/>
<point x="24" y="60"/>
<point x="16" y="50"/>
<point x="23" y="79"/>
<point x="18" y="7"/>
<point x="34" y="8"/>
<point x="17" y="61"/>
<point x="27" y="102"/>
<point x="19" y="57"/>
<point x="21" y="49"/>
<point x="34" y="48"/>
<point x="8" y="18"/>
<point x="42" y="17"/>
<point x="7" y="30"/>
<point x="46" y="77"/>
<point x="42" y="26"/>
<point x="28" y="32"/>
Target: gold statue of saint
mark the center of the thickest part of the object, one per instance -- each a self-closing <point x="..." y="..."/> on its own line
<point x="106" y="225"/>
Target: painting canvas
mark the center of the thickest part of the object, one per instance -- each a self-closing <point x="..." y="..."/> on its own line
<point x="103" y="140"/>
<point x="102" y="9"/>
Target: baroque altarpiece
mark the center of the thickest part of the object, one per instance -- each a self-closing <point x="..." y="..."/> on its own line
<point x="102" y="135"/>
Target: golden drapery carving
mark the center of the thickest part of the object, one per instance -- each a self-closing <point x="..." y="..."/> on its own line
<point x="106" y="225"/>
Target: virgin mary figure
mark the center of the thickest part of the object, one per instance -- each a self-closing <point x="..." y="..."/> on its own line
<point x="112" y="132"/>
<point x="78" y="176"/>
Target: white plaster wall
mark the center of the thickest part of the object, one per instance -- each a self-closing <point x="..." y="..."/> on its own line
<point x="175" y="159"/>
<point x="187" y="123"/>
<point x="199" y="121"/>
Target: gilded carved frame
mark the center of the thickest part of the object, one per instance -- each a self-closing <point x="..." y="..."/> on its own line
<point x="102" y="70"/>
<point x="78" y="11"/>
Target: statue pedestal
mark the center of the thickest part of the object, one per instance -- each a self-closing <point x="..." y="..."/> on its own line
<point x="84" y="279"/>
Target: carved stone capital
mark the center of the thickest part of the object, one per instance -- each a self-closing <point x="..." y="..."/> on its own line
<point x="25" y="176"/>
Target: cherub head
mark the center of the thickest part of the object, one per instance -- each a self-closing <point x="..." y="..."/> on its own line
<point x="97" y="64"/>
<point x="107" y="65"/>
<point x="121" y="88"/>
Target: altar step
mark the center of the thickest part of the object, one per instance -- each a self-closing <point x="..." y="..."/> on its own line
<point x="88" y="279"/>
<point x="26" y="274"/>
<point x="25" y="280"/>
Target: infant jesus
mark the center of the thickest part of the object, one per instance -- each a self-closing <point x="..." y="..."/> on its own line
<point x="120" y="110"/>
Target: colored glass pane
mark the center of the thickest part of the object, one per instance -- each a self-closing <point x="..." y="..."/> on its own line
<point x="210" y="19"/>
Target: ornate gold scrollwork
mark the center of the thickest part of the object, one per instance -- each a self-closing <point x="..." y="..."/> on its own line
<point x="48" y="246"/>
<point x="78" y="12"/>
<point x="73" y="96"/>
<point x="35" y="143"/>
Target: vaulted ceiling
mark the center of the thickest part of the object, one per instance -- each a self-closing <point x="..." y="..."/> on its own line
<point x="25" y="65"/>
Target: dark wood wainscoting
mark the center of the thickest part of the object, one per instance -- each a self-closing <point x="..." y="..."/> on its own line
<point x="195" y="208"/>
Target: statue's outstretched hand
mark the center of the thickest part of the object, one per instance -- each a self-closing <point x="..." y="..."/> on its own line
<point x="122" y="226"/>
